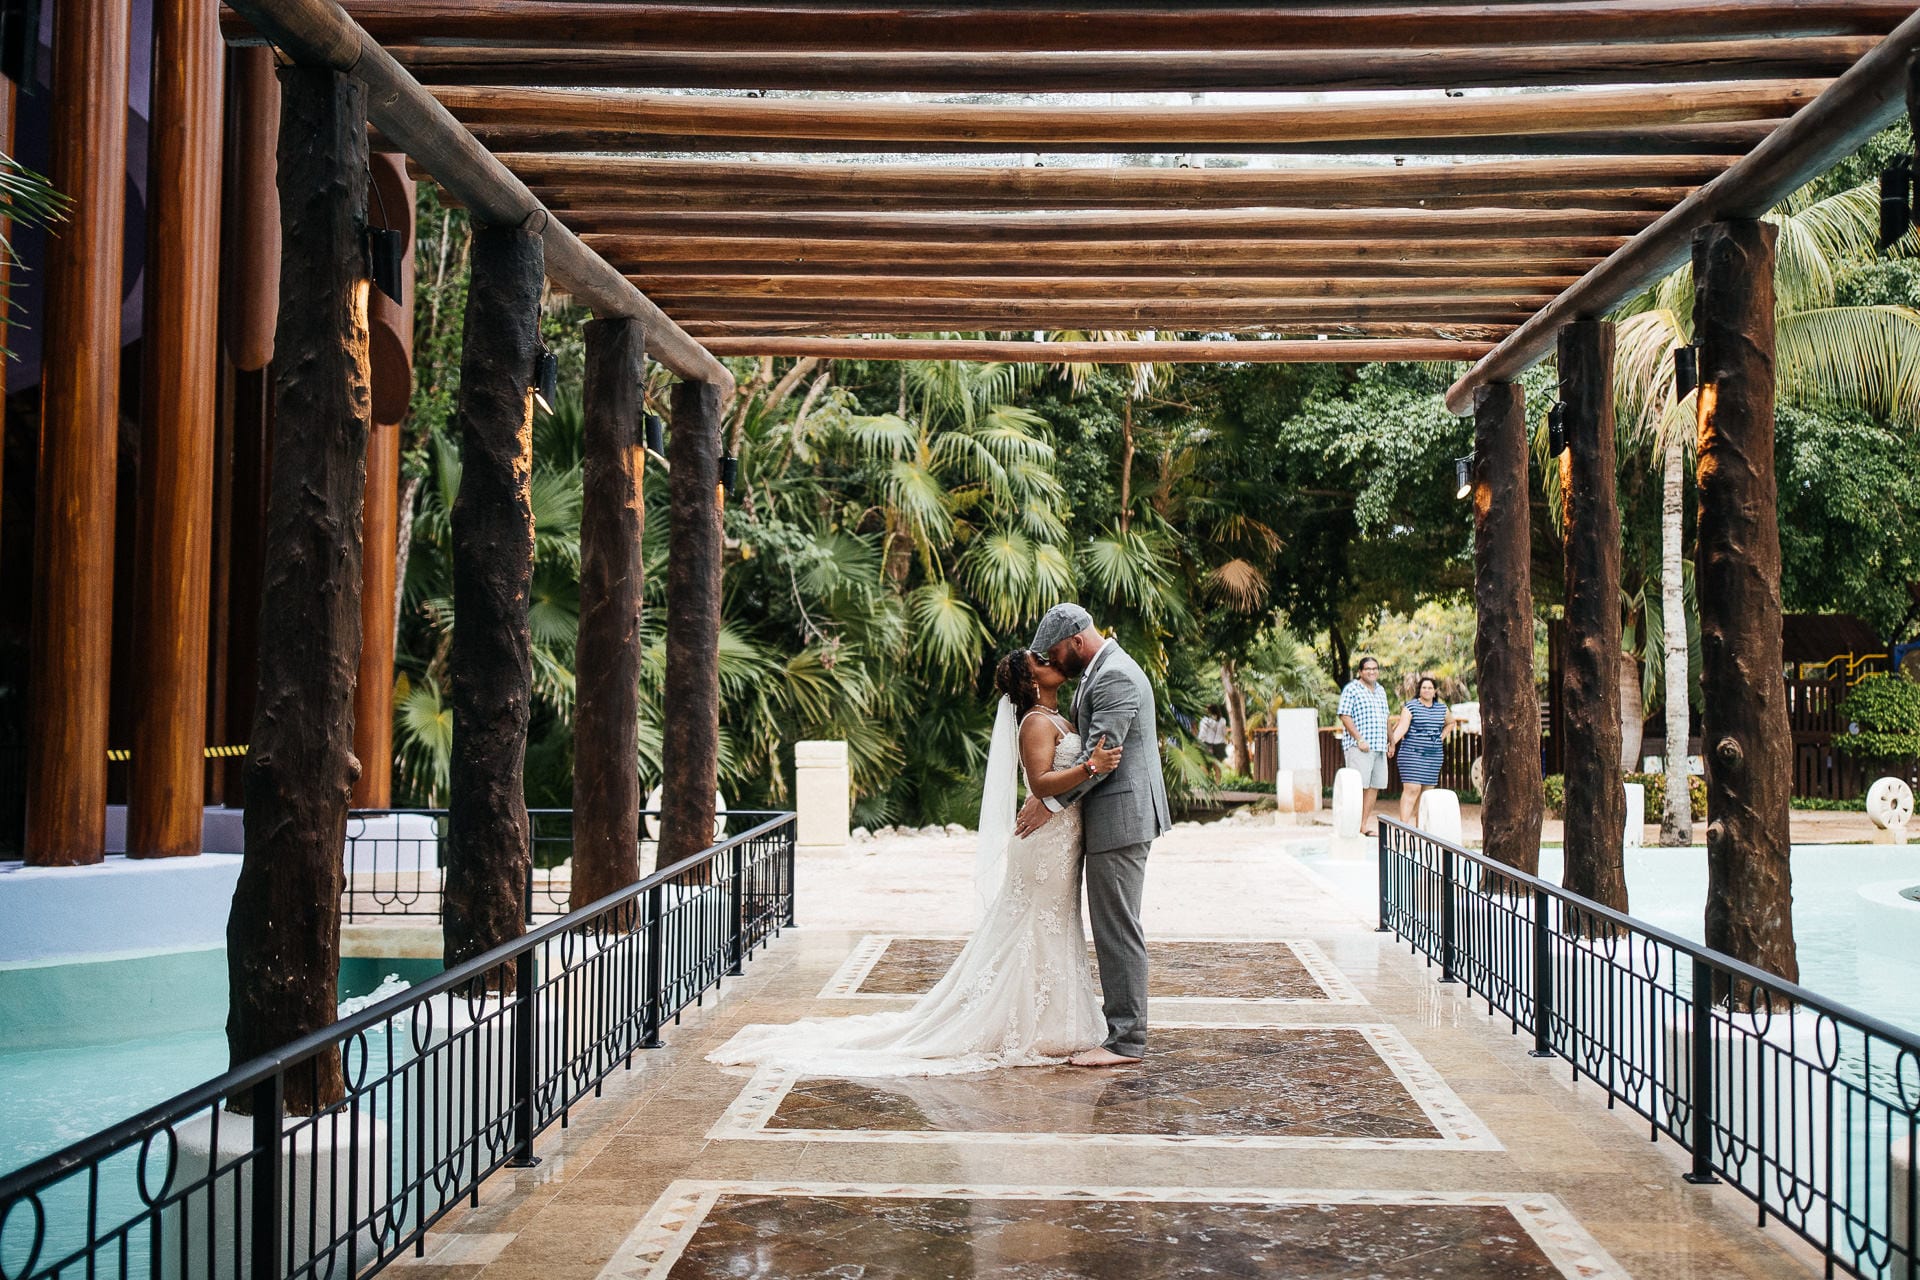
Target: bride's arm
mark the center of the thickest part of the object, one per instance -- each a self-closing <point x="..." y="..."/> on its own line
<point x="1038" y="739"/>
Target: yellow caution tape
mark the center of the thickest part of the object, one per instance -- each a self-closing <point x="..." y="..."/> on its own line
<point x="122" y="754"/>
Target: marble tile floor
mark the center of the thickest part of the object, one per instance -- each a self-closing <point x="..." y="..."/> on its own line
<point x="690" y="1171"/>
<point x="1182" y="969"/>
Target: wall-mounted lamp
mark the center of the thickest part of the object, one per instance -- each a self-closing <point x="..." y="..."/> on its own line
<point x="729" y="474"/>
<point x="1686" y="371"/>
<point x="1463" y="476"/>
<point x="1557" y="429"/>
<point x="656" y="435"/>
<point x="546" y="380"/>
<point x="1896" y="200"/>
<point x="386" y="254"/>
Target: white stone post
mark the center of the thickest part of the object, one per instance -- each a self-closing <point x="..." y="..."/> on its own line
<point x="1296" y="779"/>
<point x="823" y="794"/>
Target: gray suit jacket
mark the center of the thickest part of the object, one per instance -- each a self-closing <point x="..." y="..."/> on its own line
<point x="1129" y="805"/>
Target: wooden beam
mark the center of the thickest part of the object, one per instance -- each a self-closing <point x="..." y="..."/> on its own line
<point x="1301" y="330"/>
<point x="1503" y="637"/>
<point x="574" y="200"/>
<point x="1116" y="313"/>
<point x="71" y="630"/>
<point x="1745" y="735"/>
<point x="1121" y="224"/>
<point x="1730" y="139"/>
<point x="167" y="778"/>
<point x="1591" y="677"/>
<point x="641" y="253"/>
<point x="1858" y="105"/>
<point x="319" y="32"/>
<point x="998" y="28"/>
<point x="1332" y="351"/>
<point x="678" y="120"/>
<point x="490" y="668"/>
<point x="283" y="933"/>
<point x="1330" y="270"/>
<point x="1096" y="287"/>
<point x="1101" y="70"/>
<point x="732" y="184"/>
<point x="608" y="653"/>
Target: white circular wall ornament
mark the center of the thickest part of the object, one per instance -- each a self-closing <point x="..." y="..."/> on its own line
<point x="652" y="819"/>
<point x="1890" y="804"/>
<point x="1477" y="774"/>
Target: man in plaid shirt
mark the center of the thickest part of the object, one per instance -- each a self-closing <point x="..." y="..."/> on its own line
<point x="1363" y="735"/>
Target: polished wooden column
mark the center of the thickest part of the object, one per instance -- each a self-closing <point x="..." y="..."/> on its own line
<point x="283" y="933"/>
<point x="390" y="331"/>
<point x="691" y="706"/>
<point x="174" y="520"/>
<point x="1745" y="734"/>
<point x="1503" y="638"/>
<point x="490" y="668"/>
<point x="606" y="716"/>
<point x="72" y="630"/>
<point x="1596" y="804"/>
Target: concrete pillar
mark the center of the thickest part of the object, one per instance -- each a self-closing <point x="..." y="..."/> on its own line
<point x="823" y="794"/>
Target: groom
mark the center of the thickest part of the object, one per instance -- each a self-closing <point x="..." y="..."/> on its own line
<point x="1123" y="813"/>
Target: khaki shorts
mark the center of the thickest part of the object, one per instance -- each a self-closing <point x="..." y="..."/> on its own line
<point x="1372" y="766"/>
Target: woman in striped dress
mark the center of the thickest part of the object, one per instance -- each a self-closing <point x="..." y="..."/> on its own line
<point x="1422" y="726"/>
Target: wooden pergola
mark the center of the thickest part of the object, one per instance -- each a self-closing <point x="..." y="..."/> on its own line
<point x="1567" y="154"/>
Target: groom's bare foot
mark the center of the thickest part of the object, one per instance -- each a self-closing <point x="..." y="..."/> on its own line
<point x="1101" y="1057"/>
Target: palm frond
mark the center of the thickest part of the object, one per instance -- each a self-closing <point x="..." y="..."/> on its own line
<point x="1867" y="357"/>
<point x="946" y="631"/>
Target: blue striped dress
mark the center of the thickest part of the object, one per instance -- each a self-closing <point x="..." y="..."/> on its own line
<point x="1420" y="750"/>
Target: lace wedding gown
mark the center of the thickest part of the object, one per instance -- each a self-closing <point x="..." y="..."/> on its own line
<point x="1019" y="995"/>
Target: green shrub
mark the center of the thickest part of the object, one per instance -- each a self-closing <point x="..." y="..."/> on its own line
<point x="1887" y="709"/>
<point x="1555" y="788"/>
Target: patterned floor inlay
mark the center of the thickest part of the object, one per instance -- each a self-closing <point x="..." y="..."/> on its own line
<point x="1266" y="972"/>
<point x="824" y="1231"/>
<point x="1269" y="1085"/>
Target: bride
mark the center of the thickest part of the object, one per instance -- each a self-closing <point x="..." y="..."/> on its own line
<point x="1021" y="993"/>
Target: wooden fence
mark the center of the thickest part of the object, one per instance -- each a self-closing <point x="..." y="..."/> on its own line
<point x="1455" y="767"/>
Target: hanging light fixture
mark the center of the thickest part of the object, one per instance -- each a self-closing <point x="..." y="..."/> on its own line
<point x="1896" y="200"/>
<point x="386" y="249"/>
<point x="1557" y="429"/>
<point x="656" y="435"/>
<point x="1463" y="476"/>
<point x="1686" y="371"/>
<point x="546" y="379"/>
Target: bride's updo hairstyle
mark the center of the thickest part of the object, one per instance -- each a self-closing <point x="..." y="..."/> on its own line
<point x="1014" y="677"/>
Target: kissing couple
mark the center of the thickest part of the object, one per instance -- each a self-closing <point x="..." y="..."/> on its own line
<point x="1021" y="994"/>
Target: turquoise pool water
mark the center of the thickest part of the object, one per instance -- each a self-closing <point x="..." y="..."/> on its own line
<point x="84" y="1045"/>
<point x="1846" y="953"/>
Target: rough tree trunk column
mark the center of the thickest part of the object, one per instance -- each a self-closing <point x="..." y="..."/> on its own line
<point x="490" y="668"/>
<point x="1503" y="639"/>
<point x="606" y="725"/>
<point x="71" y="633"/>
<point x="283" y="934"/>
<point x="691" y="707"/>
<point x="1745" y="734"/>
<point x="1595" y="799"/>
<point x="171" y="587"/>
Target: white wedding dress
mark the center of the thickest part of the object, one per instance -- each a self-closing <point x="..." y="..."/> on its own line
<point x="1020" y="994"/>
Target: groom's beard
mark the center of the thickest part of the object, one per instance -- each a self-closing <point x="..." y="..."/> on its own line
<point x="1072" y="665"/>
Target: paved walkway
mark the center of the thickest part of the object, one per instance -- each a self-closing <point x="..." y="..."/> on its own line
<point x="1314" y="1106"/>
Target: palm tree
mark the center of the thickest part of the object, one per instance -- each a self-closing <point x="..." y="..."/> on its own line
<point x="26" y="199"/>
<point x="1860" y="357"/>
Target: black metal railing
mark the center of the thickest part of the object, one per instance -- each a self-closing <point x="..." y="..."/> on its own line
<point x="444" y="1084"/>
<point x="394" y="860"/>
<point x="1809" y="1108"/>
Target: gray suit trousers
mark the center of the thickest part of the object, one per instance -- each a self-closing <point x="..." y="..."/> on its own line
<point x="1115" y="880"/>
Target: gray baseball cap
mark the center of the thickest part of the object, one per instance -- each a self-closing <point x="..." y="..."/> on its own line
<point x="1062" y="620"/>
